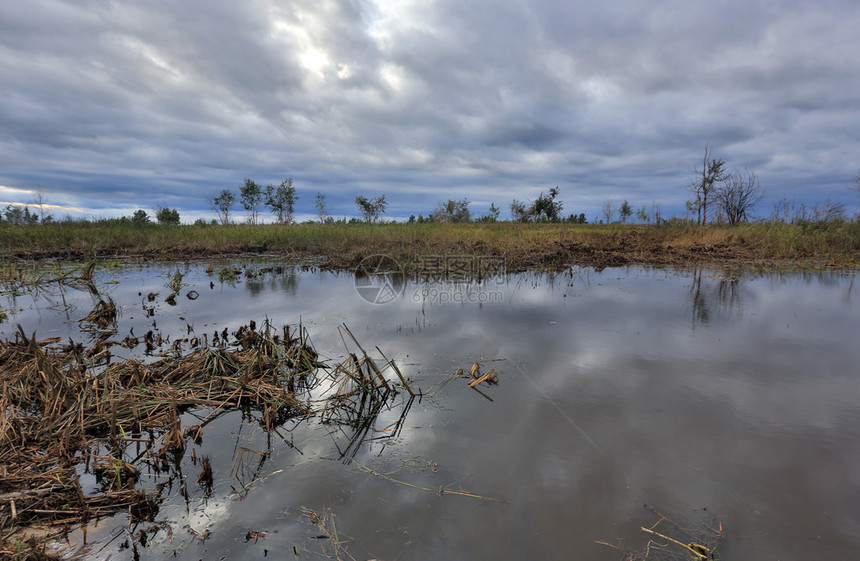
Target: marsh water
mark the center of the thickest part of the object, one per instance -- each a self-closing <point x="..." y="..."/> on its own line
<point x="682" y="390"/>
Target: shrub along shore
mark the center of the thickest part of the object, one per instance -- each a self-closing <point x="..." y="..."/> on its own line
<point x="524" y="246"/>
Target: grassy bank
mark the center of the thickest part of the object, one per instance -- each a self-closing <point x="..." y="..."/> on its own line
<point x="525" y="246"/>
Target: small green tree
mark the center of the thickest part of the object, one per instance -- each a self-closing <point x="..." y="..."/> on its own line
<point x="624" y="211"/>
<point x="708" y="178"/>
<point x="19" y="216"/>
<point x="642" y="215"/>
<point x="492" y="214"/>
<point x="140" y="217"/>
<point x="371" y="209"/>
<point x="223" y="203"/>
<point x="452" y="211"/>
<point x="519" y="213"/>
<point x="281" y="201"/>
<point x="546" y="207"/>
<point x="167" y="216"/>
<point x="13" y="214"/>
<point x="251" y="197"/>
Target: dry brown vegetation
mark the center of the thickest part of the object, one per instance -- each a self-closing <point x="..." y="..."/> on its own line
<point x="524" y="246"/>
<point x="69" y="411"/>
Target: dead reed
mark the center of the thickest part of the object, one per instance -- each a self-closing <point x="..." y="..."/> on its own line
<point x="65" y="412"/>
<point x="668" y="540"/>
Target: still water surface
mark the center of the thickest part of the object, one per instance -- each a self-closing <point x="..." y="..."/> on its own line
<point x="619" y="388"/>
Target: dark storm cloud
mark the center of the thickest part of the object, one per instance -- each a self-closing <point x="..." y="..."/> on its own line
<point x="111" y="106"/>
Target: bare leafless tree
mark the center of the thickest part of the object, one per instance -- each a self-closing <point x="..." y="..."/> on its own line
<point x="830" y="211"/>
<point x="657" y="211"/>
<point x="608" y="211"/>
<point x="737" y="194"/>
<point x="39" y="201"/>
<point x="322" y="207"/>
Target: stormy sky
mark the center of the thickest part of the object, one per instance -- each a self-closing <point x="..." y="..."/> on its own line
<point x="110" y="106"/>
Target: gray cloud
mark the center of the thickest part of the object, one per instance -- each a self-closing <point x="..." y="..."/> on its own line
<point x="118" y="105"/>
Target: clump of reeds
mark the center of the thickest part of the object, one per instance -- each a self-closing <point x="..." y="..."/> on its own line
<point x="206" y="477"/>
<point x="88" y="270"/>
<point x="103" y="315"/>
<point x="358" y="392"/>
<point x="61" y="411"/>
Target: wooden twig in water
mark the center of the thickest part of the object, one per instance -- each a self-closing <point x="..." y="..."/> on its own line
<point x="397" y="370"/>
<point x="439" y="491"/>
<point x="699" y="552"/>
<point x="488" y="377"/>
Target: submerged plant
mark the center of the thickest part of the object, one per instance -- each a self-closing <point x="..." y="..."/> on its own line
<point x="175" y="283"/>
<point x="103" y="315"/>
<point x="88" y="270"/>
<point x="228" y="274"/>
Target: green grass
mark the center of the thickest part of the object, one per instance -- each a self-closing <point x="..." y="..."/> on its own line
<point x="526" y="246"/>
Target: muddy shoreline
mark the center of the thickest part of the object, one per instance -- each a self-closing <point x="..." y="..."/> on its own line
<point x="624" y="251"/>
<point x="523" y="246"/>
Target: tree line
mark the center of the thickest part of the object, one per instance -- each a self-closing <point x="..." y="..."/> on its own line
<point x="720" y="196"/>
<point x="281" y="201"/>
<point x="732" y="195"/>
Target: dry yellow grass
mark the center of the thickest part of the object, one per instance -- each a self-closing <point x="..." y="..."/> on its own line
<point x="525" y="246"/>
